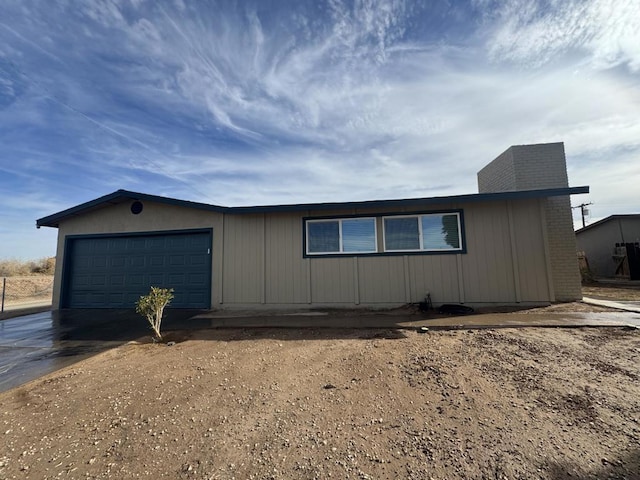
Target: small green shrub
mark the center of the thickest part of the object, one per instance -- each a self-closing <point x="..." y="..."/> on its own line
<point x="152" y="307"/>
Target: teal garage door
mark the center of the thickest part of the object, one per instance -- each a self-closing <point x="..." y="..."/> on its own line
<point x="113" y="271"/>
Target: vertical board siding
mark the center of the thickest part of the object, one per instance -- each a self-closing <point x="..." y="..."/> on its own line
<point x="487" y="267"/>
<point x="436" y="274"/>
<point x="243" y="259"/>
<point x="332" y="280"/>
<point x="382" y="279"/>
<point x="156" y="217"/>
<point x="258" y="258"/>
<point x="530" y="251"/>
<point x="286" y="269"/>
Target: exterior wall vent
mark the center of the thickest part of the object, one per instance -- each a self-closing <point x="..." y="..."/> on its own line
<point x="136" y="207"/>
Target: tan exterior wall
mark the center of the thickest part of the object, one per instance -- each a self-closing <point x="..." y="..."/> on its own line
<point x="244" y="259"/>
<point x="287" y="281"/>
<point x="258" y="259"/>
<point x="530" y="167"/>
<point x="497" y="235"/>
<point x="154" y="217"/>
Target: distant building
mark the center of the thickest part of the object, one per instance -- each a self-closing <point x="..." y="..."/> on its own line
<point x="511" y="243"/>
<point x="611" y="246"/>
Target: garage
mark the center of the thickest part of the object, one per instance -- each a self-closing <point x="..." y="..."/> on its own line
<point x="114" y="270"/>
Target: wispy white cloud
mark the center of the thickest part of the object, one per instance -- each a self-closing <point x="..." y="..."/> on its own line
<point x="537" y="32"/>
<point x="244" y="103"/>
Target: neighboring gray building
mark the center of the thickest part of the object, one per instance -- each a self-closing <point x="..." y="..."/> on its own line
<point x="512" y="243"/>
<point x="599" y="241"/>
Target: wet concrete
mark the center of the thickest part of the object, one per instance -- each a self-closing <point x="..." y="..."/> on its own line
<point x="629" y="306"/>
<point x="37" y="344"/>
<point x="390" y="320"/>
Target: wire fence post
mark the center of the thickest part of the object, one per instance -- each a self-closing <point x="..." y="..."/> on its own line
<point x="4" y="288"/>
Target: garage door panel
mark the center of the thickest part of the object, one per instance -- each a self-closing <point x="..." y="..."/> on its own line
<point x="82" y="262"/>
<point x="117" y="261"/>
<point x="156" y="279"/>
<point x="176" y="260"/>
<point x="156" y="244"/>
<point x="196" y="298"/>
<point x="79" y="298"/>
<point x="156" y="261"/>
<point x="96" y="297"/>
<point x="117" y="244"/>
<point x="98" y="262"/>
<point x="177" y="242"/>
<point x="197" y="279"/>
<point x="136" y="243"/>
<point x="113" y="272"/>
<point x="100" y="246"/>
<point x="137" y="261"/>
<point x="176" y="279"/>
<point x="198" y="259"/>
<point x="134" y="280"/>
<point x="82" y="280"/>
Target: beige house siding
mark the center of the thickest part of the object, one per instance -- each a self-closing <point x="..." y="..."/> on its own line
<point x="529" y="167"/>
<point x="258" y="258"/>
<point x="533" y="268"/>
<point x="332" y="281"/>
<point x="243" y="259"/>
<point x="487" y="268"/>
<point x="519" y="248"/>
<point x="487" y="273"/>
<point x="287" y="270"/>
<point x="155" y="217"/>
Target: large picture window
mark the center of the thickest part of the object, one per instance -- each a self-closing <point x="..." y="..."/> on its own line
<point x="341" y="235"/>
<point x="422" y="233"/>
<point x="406" y="233"/>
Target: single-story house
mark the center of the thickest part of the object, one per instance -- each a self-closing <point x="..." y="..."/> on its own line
<point x="612" y="246"/>
<point x="511" y="243"/>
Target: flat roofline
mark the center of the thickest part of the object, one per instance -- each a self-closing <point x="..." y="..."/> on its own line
<point x="629" y="216"/>
<point x="121" y="196"/>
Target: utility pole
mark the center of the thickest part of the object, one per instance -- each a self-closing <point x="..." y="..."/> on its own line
<point x="583" y="211"/>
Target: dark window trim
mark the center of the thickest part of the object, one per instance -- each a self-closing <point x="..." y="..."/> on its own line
<point x="419" y="217"/>
<point x="380" y="216"/>
<point x="339" y="219"/>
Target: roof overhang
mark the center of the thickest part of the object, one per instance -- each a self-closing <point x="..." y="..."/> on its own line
<point x="116" y="198"/>
<point x="629" y="216"/>
<point x="121" y="196"/>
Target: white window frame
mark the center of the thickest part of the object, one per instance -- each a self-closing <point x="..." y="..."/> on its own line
<point x="341" y="245"/>
<point x="419" y="216"/>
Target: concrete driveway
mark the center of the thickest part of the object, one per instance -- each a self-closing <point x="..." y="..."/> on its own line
<point x="37" y="344"/>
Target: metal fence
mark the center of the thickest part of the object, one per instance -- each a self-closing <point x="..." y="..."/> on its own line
<point x="25" y="291"/>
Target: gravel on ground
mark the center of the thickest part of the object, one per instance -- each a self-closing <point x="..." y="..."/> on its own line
<point x="315" y="404"/>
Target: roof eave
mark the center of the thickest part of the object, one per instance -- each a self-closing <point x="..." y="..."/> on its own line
<point x="122" y="195"/>
<point x="473" y="197"/>
<point x="114" y="199"/>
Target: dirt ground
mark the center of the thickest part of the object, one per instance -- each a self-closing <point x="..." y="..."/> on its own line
<point x="612" y="291"/>
<point x="25" y="289"/>
<point x="316" y="404"/>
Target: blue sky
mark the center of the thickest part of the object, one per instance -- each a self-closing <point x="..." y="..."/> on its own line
<point x="266" y="102"/>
